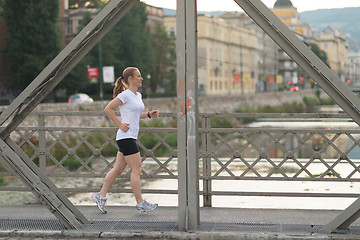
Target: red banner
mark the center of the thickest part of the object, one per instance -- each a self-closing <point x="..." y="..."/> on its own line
<point x="93" y="73"/>
<point x="237" y="78"/>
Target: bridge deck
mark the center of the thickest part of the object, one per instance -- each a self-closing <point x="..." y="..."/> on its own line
<point x="125" y="220"/>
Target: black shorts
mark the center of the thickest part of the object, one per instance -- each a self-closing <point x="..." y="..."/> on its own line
<point x="127" y="146"/>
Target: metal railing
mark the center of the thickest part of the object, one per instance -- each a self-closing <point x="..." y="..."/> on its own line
<point x="233" y="147"/>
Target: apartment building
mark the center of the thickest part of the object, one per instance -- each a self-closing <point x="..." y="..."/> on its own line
<point x="155" y="17"/>
<point x="334" y="43"/>
<point x="354" y="69"/>
<point x="227" y="56"/>
<point x="267" y="52"/>
<point x="329" y="40"/>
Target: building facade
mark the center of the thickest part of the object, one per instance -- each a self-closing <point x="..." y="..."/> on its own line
<point x="155" y="17"/>
<point x="267" y="52"/>
<point x="227" y="56"/>
<point x="329" y="40"/>
<point x="334" y="43"/>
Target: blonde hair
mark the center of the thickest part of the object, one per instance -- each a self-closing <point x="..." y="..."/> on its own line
<point x="122" y="83"/>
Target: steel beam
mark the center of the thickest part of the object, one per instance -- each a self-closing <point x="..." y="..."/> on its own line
<point x="12" y="155"/>
<point x="322" y="74"/>
<point x="187" y="85"/>
<point x="41" y="186"/>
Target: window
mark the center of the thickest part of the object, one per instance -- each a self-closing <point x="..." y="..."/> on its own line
<point x="172" y="32"/>
<point x="69" y="27"/>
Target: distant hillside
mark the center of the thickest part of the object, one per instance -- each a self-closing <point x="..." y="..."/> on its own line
<point x="345" y="19"/>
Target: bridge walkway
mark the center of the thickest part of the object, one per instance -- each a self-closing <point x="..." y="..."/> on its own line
<point x="123" y="222"/>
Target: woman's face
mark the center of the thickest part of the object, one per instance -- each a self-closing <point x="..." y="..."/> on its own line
<point x="136" y="79"/>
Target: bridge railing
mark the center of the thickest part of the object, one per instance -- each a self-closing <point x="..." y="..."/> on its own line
<point x="236" y="147"/>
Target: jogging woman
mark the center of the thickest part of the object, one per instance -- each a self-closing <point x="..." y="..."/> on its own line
<point x="126" y="96"/>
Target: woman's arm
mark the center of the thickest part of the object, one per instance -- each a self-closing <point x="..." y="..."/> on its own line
<point x="152" y="114"/>
<point x="110" y="112"/>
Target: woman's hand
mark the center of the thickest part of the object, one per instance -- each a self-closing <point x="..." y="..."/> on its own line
<point x="124" y="127"/>
<point x="154" y="113"/>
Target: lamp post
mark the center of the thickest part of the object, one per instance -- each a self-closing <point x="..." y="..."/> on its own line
<point x="101" y="80"/>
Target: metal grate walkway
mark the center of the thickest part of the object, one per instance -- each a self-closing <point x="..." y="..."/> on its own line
<point x="168" y="226"/>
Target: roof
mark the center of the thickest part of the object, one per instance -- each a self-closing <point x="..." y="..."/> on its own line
<point x="283" y="3"/>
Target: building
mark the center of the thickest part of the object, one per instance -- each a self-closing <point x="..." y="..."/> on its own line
<point x="329" y="40"/>
<point x="354" y="69"/>
<point x="289" y="15"/>
<point x="334" y="43"/>
<point x="292" y="74"/>
<point x="155" y="17"/>
<point x="227" y="56"/>
<point x="73" y="20"/>
<point x="267" y="52"/>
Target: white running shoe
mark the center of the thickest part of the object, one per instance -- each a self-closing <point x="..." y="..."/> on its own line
<point x="100" y="202"/>
<point x="145" y="206"/>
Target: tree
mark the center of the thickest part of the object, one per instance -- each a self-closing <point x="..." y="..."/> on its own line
<point x="320" y="53"/>
<point x="135" y="41"/>
<point x="129" y="43"/>
<point x="33" y="38"/>
<point x="164" y="47"/>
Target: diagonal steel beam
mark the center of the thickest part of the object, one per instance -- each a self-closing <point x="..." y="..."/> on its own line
<point x="63" y="63"/>
<point x="323" y="75"/>
<point x="40" y="185"/>
<point x="11" y="154"/>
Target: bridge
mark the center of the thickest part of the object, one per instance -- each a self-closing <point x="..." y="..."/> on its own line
<point x="232" y="153"/>
<point x="250" y="150"/>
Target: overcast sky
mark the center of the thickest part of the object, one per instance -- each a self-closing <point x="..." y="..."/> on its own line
<point x="231" y="5"/>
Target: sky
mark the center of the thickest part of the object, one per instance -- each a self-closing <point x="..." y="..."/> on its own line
<point x="231" y="5"/>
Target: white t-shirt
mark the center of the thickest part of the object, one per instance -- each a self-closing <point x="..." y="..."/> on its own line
<point x="130" y="112"/>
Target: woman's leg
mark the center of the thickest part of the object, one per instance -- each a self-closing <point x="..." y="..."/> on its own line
<point x="120" y="165"/>
<point x="134" y="162"/>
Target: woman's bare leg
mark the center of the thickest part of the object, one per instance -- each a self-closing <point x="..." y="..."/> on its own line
<point x="134" y="162"/>
<point x="120" y="165"/>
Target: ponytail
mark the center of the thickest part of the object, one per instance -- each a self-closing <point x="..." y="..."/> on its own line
<point x="120" y="86"/>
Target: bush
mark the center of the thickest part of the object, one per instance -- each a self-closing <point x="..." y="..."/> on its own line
<point x="73" y="164"/>
<point x="2" y="182"/>
<point x="221" y="123"/>
<point x="310" y="102"/>
<point x="149" y="140"/>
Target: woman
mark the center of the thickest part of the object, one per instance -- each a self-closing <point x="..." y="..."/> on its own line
<point x="131" y="110"/>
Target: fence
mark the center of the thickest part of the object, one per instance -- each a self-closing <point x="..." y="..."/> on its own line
<point x="233" y="147"/>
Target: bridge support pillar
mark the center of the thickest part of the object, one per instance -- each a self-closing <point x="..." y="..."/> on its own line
<point x="187" y="92"/>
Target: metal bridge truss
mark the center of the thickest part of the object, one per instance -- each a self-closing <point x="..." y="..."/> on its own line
<point x="16" y="161"/>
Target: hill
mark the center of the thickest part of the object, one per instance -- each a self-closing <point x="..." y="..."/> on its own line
<point x="344" y="19"/>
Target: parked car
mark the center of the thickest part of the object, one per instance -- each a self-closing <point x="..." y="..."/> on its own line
<point x="80" y="98"/>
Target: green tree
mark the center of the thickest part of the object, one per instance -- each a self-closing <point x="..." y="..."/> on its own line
<point x="165" y="59"/>
<point x="129" y="43"/>
<point x="135" y="41"/>
<point x="33" y="38"/>
<point x="77" y="79"/>
<point x="320" y="53"/>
